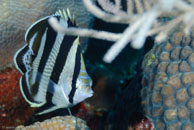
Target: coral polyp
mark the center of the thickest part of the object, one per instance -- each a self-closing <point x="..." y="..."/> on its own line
<point x="58" y="123"/>
<point x="167" y="92"/>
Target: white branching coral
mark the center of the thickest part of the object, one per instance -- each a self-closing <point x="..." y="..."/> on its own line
<point x="142" y="18"/>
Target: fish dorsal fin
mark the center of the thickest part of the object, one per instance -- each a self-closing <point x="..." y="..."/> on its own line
<point x="34" y="33"/>
<point x="36" y="27"/>
<point x="25" y="55"/>
<point x="62" y="13"/>
<point x="40" y="25"/>
<point x="66" y="15"/>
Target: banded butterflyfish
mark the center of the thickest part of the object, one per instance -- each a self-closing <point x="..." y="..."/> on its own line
<point x="52" y="66"/>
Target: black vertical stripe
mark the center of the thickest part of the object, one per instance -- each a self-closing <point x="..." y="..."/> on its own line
<point x="37" y="27"/>
<point x="34" y="88"/>
<point x="65" y="47"/>
<point x="25" y="89"/>
<point x="49" y="97"/>
<point x="63" y="53"/>
<point x="75" y="73"/>
<point x="49" y="43"/>
<point x="50" y="91"/>
<point x="19" y="59"/>
<point x="37" y="41"/>
<point x="59" y="64"/>
<point x="62" y="57"/>
<point x="50" y="40"/>
<point x="70" y="23"/>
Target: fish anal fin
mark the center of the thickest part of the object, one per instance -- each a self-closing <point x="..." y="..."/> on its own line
<point x="24" y="88"/>
<point x="50" y="109"/>
<point x="18" y="59"/>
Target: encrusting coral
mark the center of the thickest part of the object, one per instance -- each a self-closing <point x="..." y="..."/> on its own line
<point x="168" y="82"/>
<point x="58" y="123"/>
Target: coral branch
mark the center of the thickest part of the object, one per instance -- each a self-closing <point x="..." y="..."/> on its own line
<point x="154" y="9"/>
<point x="119" y="45"/>
<point x="84" y="32"/>
<point x="103" y="15"/>
<point x="112" y="8"/>
<point x="141" y="23"/>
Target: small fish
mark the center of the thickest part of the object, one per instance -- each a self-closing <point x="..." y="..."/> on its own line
<point x="52" y="66"/>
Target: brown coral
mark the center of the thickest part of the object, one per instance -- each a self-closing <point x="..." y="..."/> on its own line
<point x="58" y="123"/>
<point x="12" y="104"/>
<point x="168" y="82"/>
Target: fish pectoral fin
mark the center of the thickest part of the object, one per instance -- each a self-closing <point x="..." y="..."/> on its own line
<point x="50" y="109"/>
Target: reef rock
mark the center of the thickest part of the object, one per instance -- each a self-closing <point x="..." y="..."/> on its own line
<point x="168" y="82"/>
<point x="12" y="104"/>
<point x="17" y="16"/>
<point x="58" y="123"/>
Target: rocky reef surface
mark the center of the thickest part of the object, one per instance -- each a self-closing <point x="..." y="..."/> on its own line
<point x="58" y="123"/>
<point x="168" y="82"/>
<point x="13" y="108"/>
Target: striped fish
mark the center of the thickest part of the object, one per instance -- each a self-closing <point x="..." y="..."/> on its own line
<point x="52" y="66"/>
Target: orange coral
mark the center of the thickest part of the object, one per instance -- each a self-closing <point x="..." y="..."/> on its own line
<point x="12" y="103"/>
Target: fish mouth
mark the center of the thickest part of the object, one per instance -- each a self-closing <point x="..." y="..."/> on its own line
<point x="91" y="93"/>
